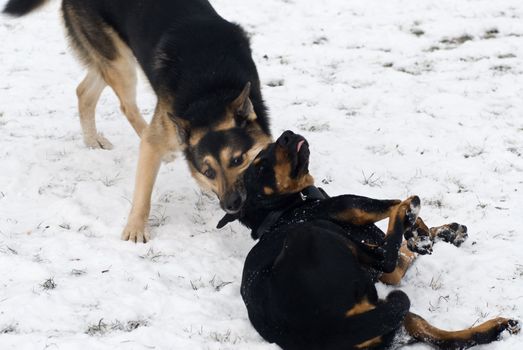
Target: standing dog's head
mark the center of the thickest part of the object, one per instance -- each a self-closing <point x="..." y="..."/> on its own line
<point x="281" y="168"/>
<point x="221" y="147"/>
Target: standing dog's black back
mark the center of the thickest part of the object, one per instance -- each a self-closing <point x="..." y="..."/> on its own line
<point x="199" y="65"/>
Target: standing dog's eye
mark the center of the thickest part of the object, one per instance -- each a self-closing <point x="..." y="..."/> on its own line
<point x="236" y="161"/>
<point x="210" y="173"/>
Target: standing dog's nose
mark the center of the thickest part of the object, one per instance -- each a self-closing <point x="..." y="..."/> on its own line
<point x="285" y="138"/>
<point x="233" y="202"/>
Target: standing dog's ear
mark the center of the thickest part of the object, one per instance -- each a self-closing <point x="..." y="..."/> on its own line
<point x="182" y="129"/>
<point x="242" y="107"/>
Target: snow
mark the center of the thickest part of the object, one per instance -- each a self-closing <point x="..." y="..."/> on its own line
<point x="396" y="98"/>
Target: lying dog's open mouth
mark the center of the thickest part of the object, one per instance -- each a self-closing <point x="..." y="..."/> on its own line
<point x="302" y="156"/>
<point x="297" y="149"/>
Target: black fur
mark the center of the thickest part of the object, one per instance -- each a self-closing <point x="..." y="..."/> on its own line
<point x="22" y="7"/>
<point x="312" y="265"/>
<point x="184" y="47"/>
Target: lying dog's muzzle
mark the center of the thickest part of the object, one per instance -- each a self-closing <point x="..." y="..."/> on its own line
<point x="297" y="149"/>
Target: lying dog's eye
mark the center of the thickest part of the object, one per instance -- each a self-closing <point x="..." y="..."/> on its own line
<point x="210" y="173"/>
<point x="237" y="161"/>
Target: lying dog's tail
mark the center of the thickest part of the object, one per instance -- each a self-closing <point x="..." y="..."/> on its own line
<point x="487" y="332"/>
<point x="22" y="7"/>
<point x="363" y="329"/>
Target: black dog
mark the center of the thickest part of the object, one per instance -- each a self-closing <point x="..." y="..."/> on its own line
<point x="200" y="67"/>
<point x="309" y="281"/>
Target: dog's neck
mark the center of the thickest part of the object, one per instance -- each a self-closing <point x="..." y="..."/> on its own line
<point x="260" y="213"/>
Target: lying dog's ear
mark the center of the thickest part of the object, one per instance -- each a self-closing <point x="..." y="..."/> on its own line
<point x="227" y="218"/>
<point x="242" y="108"/>
<point x="182" y="128"/>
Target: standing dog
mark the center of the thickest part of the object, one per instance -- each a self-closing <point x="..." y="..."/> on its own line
<point x="309" y="281"/>
<point x="200" y="67"/>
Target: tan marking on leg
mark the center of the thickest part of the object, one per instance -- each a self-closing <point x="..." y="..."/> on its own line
<point x="369" y="343"/>
<point x="421" y="330"/>
<point x="88" y="92"/>
<point x="360" y="217"/>
<point x="359" y="308"/>
<point x="120" y="75"/>
<point x="158" y="139"/>
<point x="405" y="260"/>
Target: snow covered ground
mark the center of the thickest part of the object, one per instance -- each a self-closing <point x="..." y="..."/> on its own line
<point x="396" y="97"/>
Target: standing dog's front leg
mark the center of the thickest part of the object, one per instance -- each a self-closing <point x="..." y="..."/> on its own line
<point x="148" y="165"/>
<point x="159" y="140"/>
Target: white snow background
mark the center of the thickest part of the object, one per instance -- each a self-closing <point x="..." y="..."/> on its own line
<point x="396" y="98"/>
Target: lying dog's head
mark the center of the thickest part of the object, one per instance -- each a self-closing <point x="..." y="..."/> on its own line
<point x="219" y="152"/>
<point x="281" y="168"/>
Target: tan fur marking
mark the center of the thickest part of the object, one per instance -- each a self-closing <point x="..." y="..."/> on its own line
<point x="369" y="343"/>
<point x="421" y="330"/>
<point x="120" y="75"/>
<point x="282" y="171"/>
<point x="268" y="191"/>
<point x="361" y="217"/>
<point x="158" y="139"/>
<point x="359" y="308"/>
<point x="406" y="259"/>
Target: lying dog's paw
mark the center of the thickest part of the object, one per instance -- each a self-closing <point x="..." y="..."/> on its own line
<point x="412" y="210"/>
<point x="421" y="244"/>
<point x="452" y="233"/>
<point x="513" y="326"/>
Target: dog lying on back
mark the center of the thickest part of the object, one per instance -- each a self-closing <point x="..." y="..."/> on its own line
<point x="309" y="281"/>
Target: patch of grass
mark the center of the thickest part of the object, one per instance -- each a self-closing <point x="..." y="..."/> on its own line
<point x="417" y="32"/>
<point x="11" y="328"/>
<point x="491" y="33"/>
<point x="459" y="40"/>
<point x="371" y="180"/>
<point x="76" y="272"/>
<point x="101" y="328"/>
<point x="49" y="284"/>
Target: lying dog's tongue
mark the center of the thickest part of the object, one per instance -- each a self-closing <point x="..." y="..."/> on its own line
<point x="298" y="147"/>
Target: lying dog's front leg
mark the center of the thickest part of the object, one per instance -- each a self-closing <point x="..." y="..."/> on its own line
<point x="357" y="210"/>
<point x="384" y="257"/>
<point x="148" y="165"/>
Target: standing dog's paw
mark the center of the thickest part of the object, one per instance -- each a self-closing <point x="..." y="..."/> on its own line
<point x="98" y="141"/>
<point x="452" y="233"/>
<point x="135" y="232"/>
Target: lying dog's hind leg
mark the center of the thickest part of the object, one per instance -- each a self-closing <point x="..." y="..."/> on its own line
<point x="405" y="260"/>
<point x="403" y="216"/>
<point x="487" y="332"/>
<point x="88" y="92"/>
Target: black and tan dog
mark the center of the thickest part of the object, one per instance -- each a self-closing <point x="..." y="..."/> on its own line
<point x="309" y="281"/>
<point x="200" y="67"/>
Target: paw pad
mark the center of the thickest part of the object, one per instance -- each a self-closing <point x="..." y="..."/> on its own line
<point x="453" y="233"/>
<point x="513" y="326"/>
